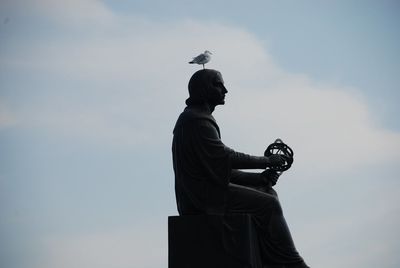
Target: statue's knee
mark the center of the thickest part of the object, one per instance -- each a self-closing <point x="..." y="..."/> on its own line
<point x="271" y="191"/>
<point x="270" y="201"/>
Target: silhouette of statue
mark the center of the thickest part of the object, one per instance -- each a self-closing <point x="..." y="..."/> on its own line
<point x="209" y="177"/>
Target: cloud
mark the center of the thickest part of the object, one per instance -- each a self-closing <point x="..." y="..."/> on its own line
<point x="143" y="246"/>
<point x="137" y="70"/>
<point x="330" y="126"/>
<point x="73" y="13"/>
<point x="7" y="119"/>
<point x="134" y="72"/>
<point x="121" y="81"/>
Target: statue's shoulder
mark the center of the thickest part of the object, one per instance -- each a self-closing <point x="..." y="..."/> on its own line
<point x="193" y="116"/>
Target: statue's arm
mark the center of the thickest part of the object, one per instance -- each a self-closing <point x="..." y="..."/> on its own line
<point x="266" y="178"/>
<point x="247" y="178"/>
<point x="246" y="161"/>
<point x="211" y="139"/>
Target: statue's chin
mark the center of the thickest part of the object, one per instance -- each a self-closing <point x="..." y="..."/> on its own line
<point x="219" y="102"/>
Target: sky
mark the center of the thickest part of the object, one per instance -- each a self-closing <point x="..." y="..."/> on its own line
<point x="90" y="91"/>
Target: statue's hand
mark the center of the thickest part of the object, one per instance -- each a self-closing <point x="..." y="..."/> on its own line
<point x="270" y="176"/>
<point x="276" y="160"/>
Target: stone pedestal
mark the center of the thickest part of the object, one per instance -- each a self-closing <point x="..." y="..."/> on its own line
<point x="212" y="241"/>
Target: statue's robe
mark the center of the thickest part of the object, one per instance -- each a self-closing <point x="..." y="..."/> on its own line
<point x="208" y="181"/>
<point x="202" y="164"/>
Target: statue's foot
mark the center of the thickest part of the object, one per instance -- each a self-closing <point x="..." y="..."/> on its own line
<point x="296" y="265"/>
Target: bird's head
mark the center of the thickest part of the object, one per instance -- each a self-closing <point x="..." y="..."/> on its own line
<point x="207" y="52"/>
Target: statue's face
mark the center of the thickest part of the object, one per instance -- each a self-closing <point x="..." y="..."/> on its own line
<point x="217" y="90"/>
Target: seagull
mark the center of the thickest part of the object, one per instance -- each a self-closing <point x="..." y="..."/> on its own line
<point x="202" y="59"/>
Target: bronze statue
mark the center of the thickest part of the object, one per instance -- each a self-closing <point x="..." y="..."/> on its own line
<point x="209" y="177"/>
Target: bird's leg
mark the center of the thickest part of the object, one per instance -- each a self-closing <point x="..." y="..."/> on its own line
<point x="203" y="66"/>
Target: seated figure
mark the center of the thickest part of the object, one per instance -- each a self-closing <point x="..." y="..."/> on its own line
<point x="209" y="177"/>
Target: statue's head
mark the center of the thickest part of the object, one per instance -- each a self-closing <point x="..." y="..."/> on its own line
<point x="206" y="86"/>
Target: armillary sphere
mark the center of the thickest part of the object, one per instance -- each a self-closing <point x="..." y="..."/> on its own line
<point x="280" y="148"/>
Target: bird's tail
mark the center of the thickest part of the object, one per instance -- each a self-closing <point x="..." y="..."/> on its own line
<point x="191" y="62"/>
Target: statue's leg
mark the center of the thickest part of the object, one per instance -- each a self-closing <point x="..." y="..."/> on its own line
<point x="275" y="240"/>
<point x="266" y="189"/>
